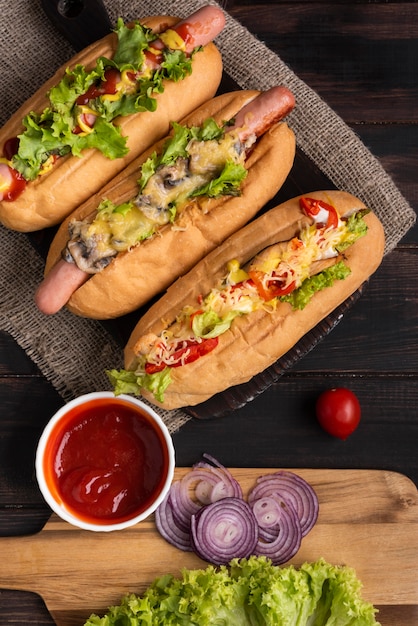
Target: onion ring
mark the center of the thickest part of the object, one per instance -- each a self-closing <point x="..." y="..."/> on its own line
<point x="224" y="530"/>
<point x="289" y="487"/>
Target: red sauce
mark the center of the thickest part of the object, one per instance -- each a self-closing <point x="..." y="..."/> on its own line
<point x="185" y="31"/>
<point x="12" y="183"/>
<point x="106" y="461"/>
<point x="107" y="86"/>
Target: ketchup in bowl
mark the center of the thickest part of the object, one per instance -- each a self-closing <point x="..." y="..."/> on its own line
<point x="105" y="462"/>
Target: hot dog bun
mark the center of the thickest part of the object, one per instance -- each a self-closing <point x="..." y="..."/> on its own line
<point x="52" y="196"/>
<point x="254" y="341"/>
<point x="133" y="277"/>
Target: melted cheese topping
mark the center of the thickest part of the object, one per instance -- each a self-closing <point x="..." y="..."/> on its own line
<point x="170" y="186"/>
<point x="294" y="260"/>
<point x="119" y="231"/>
<point x="174" y="184"/>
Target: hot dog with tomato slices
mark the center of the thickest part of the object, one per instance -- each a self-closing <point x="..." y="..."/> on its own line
<point x="250" y="300"/>
<point x="92" y="118"/>
<point x="171" y="206"/>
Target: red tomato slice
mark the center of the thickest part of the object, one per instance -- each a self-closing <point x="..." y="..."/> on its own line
<point x="311" y="207"/>
<point x="194" y="351"/>
<point x="276" y="287"/>
<point x="152" y="368"/>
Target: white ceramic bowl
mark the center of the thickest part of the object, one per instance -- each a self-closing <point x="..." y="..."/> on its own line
<point x="105" y="462"/>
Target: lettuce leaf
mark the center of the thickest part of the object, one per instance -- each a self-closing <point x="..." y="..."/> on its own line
<point x="131" y="45"/>
<point x="356" y="228"/>
<point x="249" y="592"/>
<point x="300" y="297"/>
<point x="127" y="381"/>
<point x="227" y="183"/>
<point x="208" y="324"/>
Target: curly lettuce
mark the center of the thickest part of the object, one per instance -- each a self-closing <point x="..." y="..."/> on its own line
<point x="249" y="592"/>
<point x="129" y="382"/>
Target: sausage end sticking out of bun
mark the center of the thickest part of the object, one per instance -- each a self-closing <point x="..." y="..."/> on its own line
<point x="249" y="301"/>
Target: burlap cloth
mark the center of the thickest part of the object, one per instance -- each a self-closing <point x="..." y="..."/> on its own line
<point x="74" y="353"/>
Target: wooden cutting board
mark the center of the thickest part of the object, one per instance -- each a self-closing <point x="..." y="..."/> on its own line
<point x="367" y="519"/>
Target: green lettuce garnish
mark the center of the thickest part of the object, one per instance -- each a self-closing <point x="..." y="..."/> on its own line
<point x="356" y="228"/>
<point x="300" y="297"/>
<point x="128" y="382"/>
<point x="131" y="44"/>
<point x="250" y="592"/>
<point x="228" y="183"/>
<point x="208" y="324"/>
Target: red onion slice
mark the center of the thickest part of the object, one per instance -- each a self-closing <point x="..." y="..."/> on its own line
<point x="232" y="488"/>
<point x="224" y="530"/>
<point x="267" y="511"/>
<point x="203" y="484"/>
<point x="289" y="487"/>
<point x="282" y="545"/>
<point x="168" y="527"/>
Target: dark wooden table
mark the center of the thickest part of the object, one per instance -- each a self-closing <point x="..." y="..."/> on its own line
<point x="361" y="57"/>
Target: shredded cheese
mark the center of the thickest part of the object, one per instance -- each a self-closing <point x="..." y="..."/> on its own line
<point x="290" y="262"/>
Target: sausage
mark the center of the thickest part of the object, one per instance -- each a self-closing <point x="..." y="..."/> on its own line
<point x="56" y="288"/>
<point x="261" y="113"/>
<point x="257" y="115"/>
<point x="201" y="27"/>
<point x="198" y="29"/>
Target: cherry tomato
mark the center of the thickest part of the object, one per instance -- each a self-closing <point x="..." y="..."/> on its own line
<point x="338" y="411"/>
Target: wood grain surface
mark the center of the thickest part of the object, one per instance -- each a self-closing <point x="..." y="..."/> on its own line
<point x="367" y="520"/>
<point x="361" y="57"/>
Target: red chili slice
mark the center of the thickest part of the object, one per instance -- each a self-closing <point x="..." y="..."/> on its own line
<point x="194" y="351"/>
<point x="276" y="287"/>
<point x="312" y="206"/>
<point x="193" y="315"/>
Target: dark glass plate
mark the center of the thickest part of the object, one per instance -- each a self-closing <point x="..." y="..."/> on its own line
<point x="304" y="177"/>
